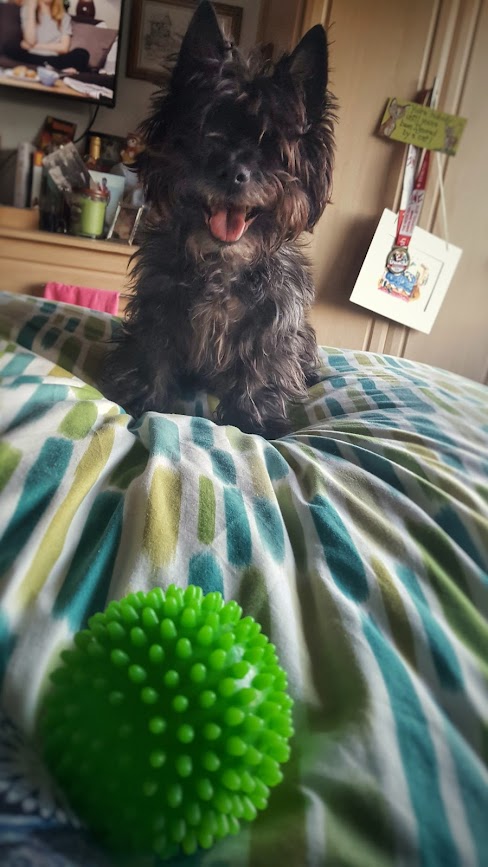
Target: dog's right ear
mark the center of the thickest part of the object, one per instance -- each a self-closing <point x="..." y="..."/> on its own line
<point x="203" y="42"/>
<point x="203" y="49"/>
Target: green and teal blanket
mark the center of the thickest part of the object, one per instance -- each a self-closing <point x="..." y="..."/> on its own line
<point x="359" y="542"/>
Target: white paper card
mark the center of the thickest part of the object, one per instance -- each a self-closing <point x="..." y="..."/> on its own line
<point x="414" y="297"/>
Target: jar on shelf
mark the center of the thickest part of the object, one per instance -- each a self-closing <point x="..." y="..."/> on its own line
<point x="88" y="208"/>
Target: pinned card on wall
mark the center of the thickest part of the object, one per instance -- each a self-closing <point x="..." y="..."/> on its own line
<point x="424" y="127"/>
<point x="406" y="285"/>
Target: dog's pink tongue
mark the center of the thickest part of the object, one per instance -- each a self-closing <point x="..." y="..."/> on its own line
<point x="228" y="225"/>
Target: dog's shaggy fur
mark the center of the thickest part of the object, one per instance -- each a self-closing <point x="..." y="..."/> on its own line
<point x="237" y="165"/>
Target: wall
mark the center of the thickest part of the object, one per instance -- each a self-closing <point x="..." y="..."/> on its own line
<point x="21" y="113"/>
<point x="281" y="23"/>
<point x="460" y="336"/>
<point x="378" y="49"/>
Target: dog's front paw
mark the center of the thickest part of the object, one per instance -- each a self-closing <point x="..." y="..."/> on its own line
<point x="276" y="428"/>
<point x="137" y="405"/>
<point x="128" y="394"/>
<point x="269" y="427"/>
<point x="312" y="376"/>
<point x="128" y="380"/>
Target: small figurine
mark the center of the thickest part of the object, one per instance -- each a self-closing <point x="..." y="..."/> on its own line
<point x="133" y="146"/>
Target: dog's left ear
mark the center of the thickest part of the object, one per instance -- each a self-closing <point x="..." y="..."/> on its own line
<point x="308" y="67"/>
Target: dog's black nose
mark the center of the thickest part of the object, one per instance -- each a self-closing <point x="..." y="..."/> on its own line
<point x="242" y="175"/>
<point x="235" y="175"/>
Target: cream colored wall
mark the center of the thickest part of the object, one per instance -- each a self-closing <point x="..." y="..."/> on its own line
<point x="382" y="48"/>
<point x="459" y="340"/>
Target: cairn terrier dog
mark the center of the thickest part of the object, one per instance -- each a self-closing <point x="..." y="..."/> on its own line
<point x="237" y="164"/>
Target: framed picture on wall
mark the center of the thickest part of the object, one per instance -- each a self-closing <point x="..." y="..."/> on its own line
<point x="157" y="30"/>
<point x="406" y="287"/>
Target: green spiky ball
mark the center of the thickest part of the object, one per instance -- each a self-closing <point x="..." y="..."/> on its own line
<point x="167" y="722"/>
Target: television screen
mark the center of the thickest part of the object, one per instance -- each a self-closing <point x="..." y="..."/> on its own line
<point x="64" y="47"/>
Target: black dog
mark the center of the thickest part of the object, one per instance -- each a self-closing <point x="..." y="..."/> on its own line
<point x="237" y="164"/>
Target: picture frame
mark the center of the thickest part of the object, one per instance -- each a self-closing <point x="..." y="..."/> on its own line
<point x="157" y="30"/>
<point x="411" y="293"/>
<point x="125" y="223"/>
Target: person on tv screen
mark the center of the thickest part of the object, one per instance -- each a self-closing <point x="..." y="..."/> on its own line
<point x="46" y="32"/>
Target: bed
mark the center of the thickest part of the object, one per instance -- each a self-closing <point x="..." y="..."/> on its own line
<point x="359" y="542"/>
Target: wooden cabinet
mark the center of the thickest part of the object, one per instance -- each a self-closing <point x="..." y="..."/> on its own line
<point x="30" y="258"/>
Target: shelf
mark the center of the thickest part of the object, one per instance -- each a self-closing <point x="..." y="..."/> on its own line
<point x="38" y="236"/>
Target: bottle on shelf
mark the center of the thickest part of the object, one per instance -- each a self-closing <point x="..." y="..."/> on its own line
<point x="92" y="158"/>
<point x="23" y="168"/>
<point x="36" y="180"/>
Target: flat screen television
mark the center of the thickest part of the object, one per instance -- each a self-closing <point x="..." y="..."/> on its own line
<point x="66" y="48"/>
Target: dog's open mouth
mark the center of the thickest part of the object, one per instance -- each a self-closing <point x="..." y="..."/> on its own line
<point x="230" y="224"/>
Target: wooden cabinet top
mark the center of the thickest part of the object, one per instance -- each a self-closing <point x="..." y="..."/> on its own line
<point x="94" y="246"/>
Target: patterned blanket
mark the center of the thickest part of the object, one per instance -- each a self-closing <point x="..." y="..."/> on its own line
<point x="359" y="542"/>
